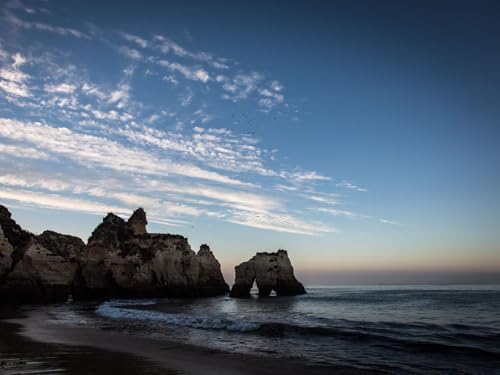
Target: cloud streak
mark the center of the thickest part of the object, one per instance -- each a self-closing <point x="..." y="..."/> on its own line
<point x="91" y="150"/>
<point x="110" y="145"/>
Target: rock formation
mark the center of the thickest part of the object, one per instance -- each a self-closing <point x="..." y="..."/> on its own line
<point x="36" y="267"/>
<point x="138" y="222"/>
<point x="270" y="271"/>
<point x="120" y="259"/>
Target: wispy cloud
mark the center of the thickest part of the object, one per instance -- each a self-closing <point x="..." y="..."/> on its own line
<point x="385" y="221"/>
<point x="23" y="152"/>
<point x="96" y="145"/>
<point x="63" y="88"/>
<point x="280" y="223"/>
<point x="143" y="43"/>
<point x="63" y="31"/>
<point x="302" y="176"/>
<point x="59" y="202"/>
<point x="347" y="185"/>
<point x="12" y="79"/>
<point x="131" y="53"/>
<point x="92" y="150"/>
<point x="194" y="74"/>
<point x="336" y="212"/>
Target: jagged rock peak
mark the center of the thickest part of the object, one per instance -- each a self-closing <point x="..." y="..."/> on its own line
<point x="4" y="213"/>
<point x="138" y="221"/>
<point x="113" y="219"/>
<point x="270" y="271"/>
<point x="13" y="232"/>
<point x="205" y="250"/>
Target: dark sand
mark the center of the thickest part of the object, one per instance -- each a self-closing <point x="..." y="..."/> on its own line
<point x="31" y="343"/>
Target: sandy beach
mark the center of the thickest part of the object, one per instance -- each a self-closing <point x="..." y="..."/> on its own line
<point x="32" y="343"/>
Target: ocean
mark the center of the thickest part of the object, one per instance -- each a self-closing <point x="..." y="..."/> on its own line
<point x="391" y="329"/>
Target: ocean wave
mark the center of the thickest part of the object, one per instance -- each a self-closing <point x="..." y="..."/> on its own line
<point x="397" y="339"/>
<point x="123" y="310"/>
<point x="409" y="336"/>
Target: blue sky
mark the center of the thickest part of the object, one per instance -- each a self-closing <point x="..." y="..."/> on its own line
<point x="361" y="136"/>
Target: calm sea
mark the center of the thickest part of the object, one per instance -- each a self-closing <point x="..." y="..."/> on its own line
<point x="393" y="329"/>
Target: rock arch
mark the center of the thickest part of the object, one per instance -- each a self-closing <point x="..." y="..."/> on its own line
<point x="270" y="271"/>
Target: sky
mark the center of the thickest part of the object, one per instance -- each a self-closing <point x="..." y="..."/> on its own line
<point x="363" y="137"/>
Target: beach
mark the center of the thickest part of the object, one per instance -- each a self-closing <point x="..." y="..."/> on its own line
<point x="31" y="342"/>
<point x="330" y="330"/>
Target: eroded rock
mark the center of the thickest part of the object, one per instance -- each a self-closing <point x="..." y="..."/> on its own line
<point x="270" y="271"/>
<point x="36" y="267"/>
<point x="138" y="221"/>
<point x="121" y="259"/>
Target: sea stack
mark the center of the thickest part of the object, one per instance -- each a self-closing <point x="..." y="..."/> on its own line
<point x="270" y="271"/>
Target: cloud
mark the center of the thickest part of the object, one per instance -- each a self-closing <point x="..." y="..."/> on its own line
<point x="277" y="86"/>
<point x="14" y="88"/>
<point x="13" y="80"/>
<point x="385" y="221"/>
<point x="215" y="147"/>
<point x="59" y="202"/>
<point x="89" y="150"/>
<point x="270" y="98"/>
<point x="135" y="39"/>
<point x="23" y="152"/>
<point x="279" y="223"/>
<point x="194" y="74"/>
<point x="96" y="142"/>
<point x="336" y="212"/>
<point x="328" y="199"/>
<point x="18" y="60"/>
<point x="101" y="190"/>
<point x="307" y="176"/>
<point x="131" y="53"/>
<point x="63" y="88"/>
<point x="63" y="31"/>
<point x="94" y="90"/>
<point x="240" y="86"/>
<point x="347" y="185"/>
<point x="235" y="199"/>
<point x="120" y="96"/>
<point x="168" y="46"/>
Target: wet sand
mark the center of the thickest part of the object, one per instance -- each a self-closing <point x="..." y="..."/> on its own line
<point x="32" y="343"/>
<point x="21" y="355"/>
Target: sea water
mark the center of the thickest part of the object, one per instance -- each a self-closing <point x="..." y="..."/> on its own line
<point x="394" y="329"/>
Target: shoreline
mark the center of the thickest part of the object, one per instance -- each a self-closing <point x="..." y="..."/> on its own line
<point x="29" y="333"/>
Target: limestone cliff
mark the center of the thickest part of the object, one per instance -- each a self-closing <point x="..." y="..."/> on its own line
<point x="120" y="260"/>
<point x="36" y="267"/>
<point x="270" y="271"/>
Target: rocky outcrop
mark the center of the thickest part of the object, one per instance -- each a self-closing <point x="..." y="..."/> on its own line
<point x="36" y="267"/>
<point x="270" y="271"/>
<point x="122" y="259"/>
<point x="138" y="222"/>
<point x="6" y="250"/>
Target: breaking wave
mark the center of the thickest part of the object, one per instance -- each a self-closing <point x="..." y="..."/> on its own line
<point x="123" y="310"/>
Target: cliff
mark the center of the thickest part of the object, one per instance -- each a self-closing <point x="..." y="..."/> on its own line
<point x="270" y="271"/>
<point x="36" y="267"/>
<point x="120" y="260"/>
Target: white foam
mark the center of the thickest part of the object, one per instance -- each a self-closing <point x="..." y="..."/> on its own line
<point x="119" y="310"/>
